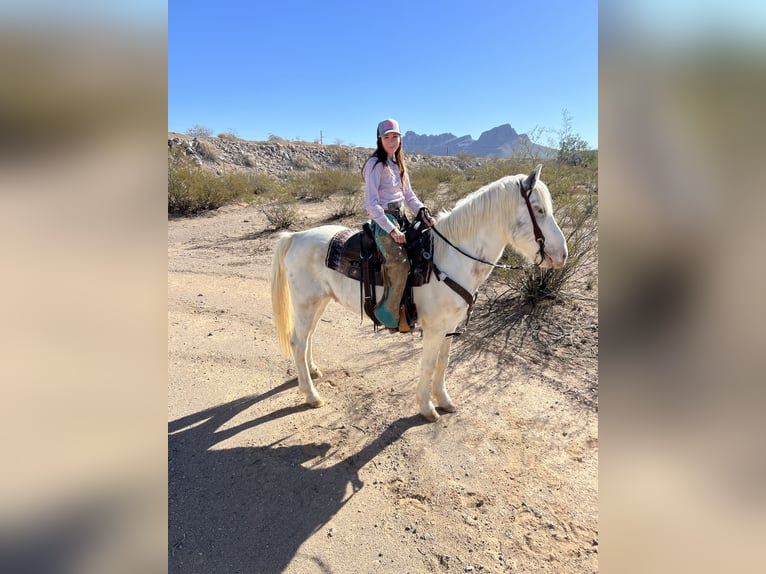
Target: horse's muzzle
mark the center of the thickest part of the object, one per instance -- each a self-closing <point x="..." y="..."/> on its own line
<point x="553" y="263"/>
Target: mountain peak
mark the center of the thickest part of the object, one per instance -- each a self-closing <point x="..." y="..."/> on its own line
<point x="500" y="141"/>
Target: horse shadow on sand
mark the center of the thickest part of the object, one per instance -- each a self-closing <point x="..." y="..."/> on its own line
<point x="249" y="509"/>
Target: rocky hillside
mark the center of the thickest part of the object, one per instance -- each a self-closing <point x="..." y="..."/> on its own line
<point x="279" y="158"/>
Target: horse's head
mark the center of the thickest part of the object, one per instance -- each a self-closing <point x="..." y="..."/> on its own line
<point x="534" y="223"/>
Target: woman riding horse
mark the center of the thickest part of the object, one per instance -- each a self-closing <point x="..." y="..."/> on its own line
<point x="386" y="189"/>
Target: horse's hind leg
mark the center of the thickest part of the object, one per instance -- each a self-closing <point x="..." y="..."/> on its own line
<point x="314" y="371"/>
<point x="306" y="317"/>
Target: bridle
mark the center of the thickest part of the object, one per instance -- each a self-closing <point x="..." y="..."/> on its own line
<point x="469" y="298"/>
<point x="539" y="237"/>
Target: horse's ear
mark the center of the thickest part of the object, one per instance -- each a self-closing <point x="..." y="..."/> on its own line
<point x="533" y="178"/>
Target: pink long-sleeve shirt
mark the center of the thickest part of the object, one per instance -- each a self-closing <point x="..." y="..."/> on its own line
<point x="383" y="185"/>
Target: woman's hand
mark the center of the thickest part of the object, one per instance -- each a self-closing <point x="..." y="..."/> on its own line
<point x="425" y="216"/>
<point x="398" y="236"/>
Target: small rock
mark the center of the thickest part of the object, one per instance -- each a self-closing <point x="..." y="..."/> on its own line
<point x="469" y="568"/>
<point x="331" y="532"/>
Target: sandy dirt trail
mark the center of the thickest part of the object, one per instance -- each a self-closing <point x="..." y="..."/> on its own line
<point x="259" y="482"/>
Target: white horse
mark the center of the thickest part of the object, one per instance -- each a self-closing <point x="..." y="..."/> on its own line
<point x="481" y="225"/>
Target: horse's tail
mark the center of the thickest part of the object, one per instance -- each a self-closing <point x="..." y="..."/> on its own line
<point x="280" y="294"/>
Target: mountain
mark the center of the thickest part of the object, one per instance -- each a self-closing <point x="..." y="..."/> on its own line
<point x="501" y="141"/>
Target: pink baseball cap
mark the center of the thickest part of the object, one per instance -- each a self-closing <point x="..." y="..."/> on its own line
<point x="387" y="126"/>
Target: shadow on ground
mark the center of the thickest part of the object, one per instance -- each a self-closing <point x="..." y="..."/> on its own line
<point x="249" y="509"/>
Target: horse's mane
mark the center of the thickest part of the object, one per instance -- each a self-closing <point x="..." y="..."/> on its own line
<point x="476" y="209"/>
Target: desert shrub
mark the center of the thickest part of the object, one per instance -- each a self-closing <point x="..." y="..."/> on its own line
<point x="324" y="184"/>
<point x="248" y="160"/>
<point x="199" y="131"/>
<point x="298" y="185"/>
<point x="265" y="186"/>
<point x="206" y="150"/>
<point x="434" y="185"/>
<point x="280" y="212"/>
<point x="193" y="190"/>
<point x="299" y="161"/>
<point x="493" y="170"/>
<point x="341" y="155"/>
<point x="349" y="197"/>
<point x="577" y="216"/>
<point x="427" y="179"/>
<point x="347" y="206"/>
<point x="229" y="136"/>
<point x="572" y="149"/>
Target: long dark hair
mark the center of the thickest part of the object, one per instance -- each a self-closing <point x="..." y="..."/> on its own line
<point x="382" y="157"/>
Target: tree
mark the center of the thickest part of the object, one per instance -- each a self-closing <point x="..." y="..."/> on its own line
<point x="572" y="148"/>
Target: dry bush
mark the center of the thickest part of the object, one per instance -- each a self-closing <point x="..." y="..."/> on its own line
<point x="347" y="205"/>
<point x="577" y="216"/>
<point x="248" y="160"/>
<point x="199" y="131"/>
<point x="281" y="212"/>
<point x="299" y="161"/>
<point x="206" y="150"/>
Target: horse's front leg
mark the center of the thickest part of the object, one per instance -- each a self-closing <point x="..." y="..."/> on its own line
<point x="431" y="347"/>
<point x="439" y="387"/>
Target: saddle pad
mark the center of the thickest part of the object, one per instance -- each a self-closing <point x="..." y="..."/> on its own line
<point x="334" y="258"/>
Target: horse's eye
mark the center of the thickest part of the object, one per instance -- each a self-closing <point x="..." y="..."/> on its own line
<point x="541" y="211"/>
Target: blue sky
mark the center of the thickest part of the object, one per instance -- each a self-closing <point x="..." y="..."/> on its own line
<point x="295" y="68"/>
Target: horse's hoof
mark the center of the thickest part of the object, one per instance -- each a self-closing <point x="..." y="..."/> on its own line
<point x="448" y="408"/>
<point x="315" y="403"/>
<point x="431" y="416"/>
<point x="315" y="374"/>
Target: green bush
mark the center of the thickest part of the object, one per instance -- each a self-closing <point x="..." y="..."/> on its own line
<point x="321" y="185"/>
<point x="493" y="170"/>
<point x="265" y="186"/>
<point x="192" y="189"/>
<point x="427" y="179"/>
